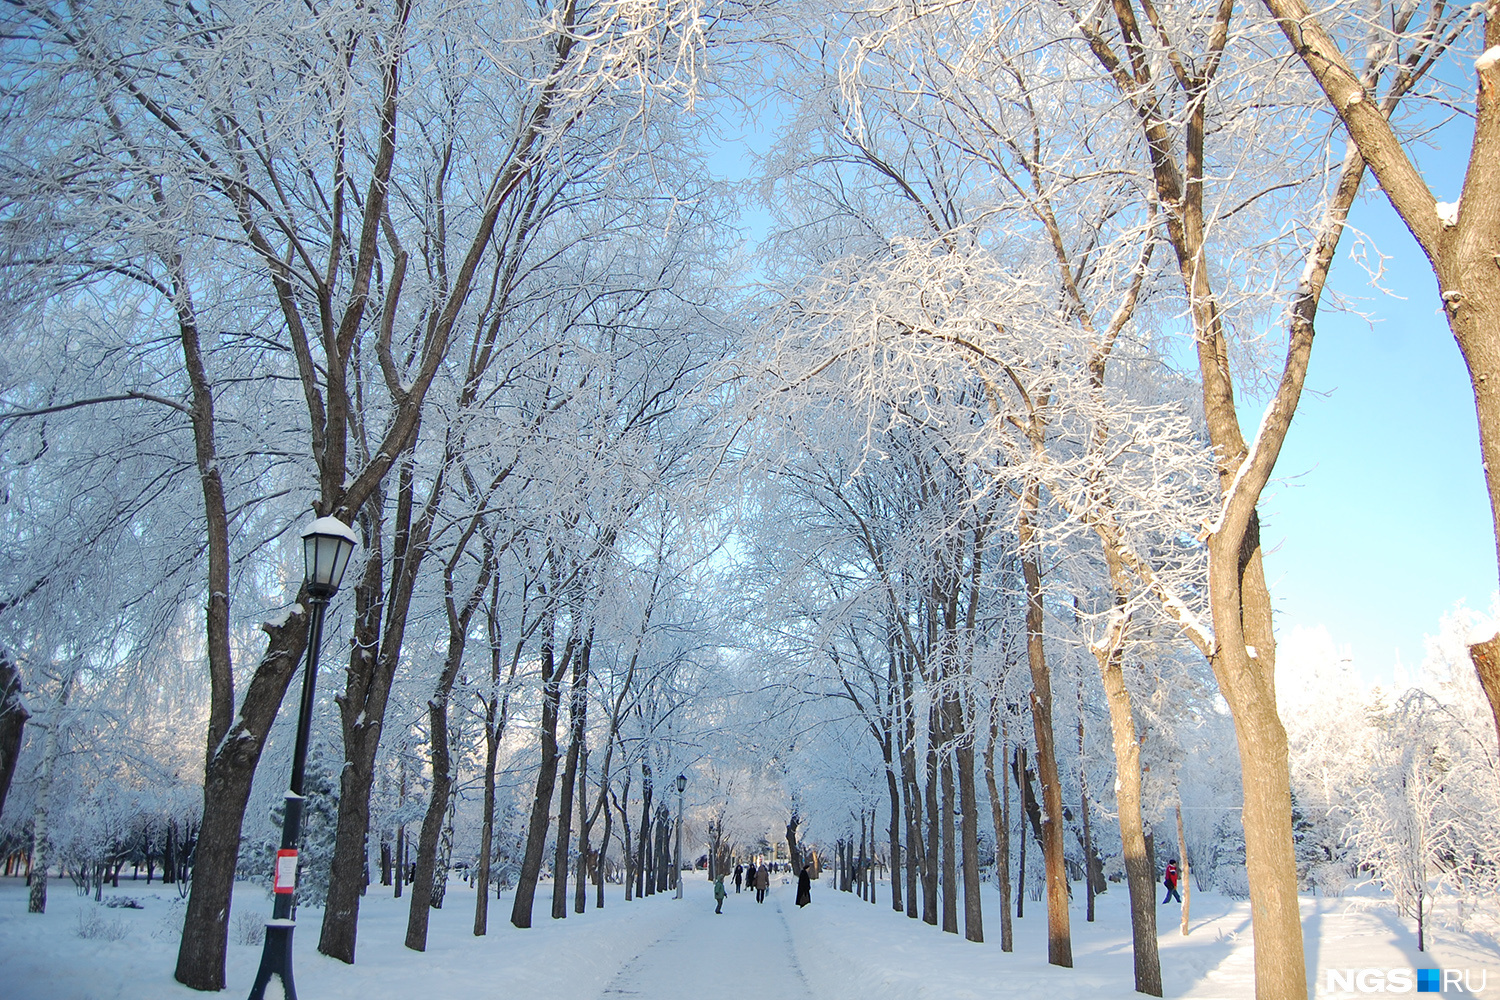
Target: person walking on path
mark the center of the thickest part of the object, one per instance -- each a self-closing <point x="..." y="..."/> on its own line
<point x="1170" y="881"/>
<point x="739" y="876"/>
<point x="719" y="893"/>
<point x="762" y="882"/>
<point x="804" y="887"/>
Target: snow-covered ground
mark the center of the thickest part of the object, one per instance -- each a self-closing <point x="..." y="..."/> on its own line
<point x="839" y="948"/>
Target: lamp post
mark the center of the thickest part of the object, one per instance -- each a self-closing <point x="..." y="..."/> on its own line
<point x="326" y="546"/>
<point x="713" y="852"/>
<point x="681" y="787"/>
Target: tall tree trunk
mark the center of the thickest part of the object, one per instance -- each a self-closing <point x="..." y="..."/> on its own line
<point x="1059" y="938"/>
<point x="487" y="823"/>
<point x="973" y="915"/>
<point x="914" y="850"/>
<point x="893" y="831"/>
<point x="432" y="824"/>
<point x="576" y="708"/>
<point x="1140" y="873"/>
<point x="863" y="879"/>
<point x="641" y="881"/>
<point x="915" y="853"/>
<point x="663" y="848"/>
<point x="1020" y="771"/>
<point x="423" y="891"/>
<point x="226" y="792"/>
<point x="496" y="715"/>
<point x="601" y="865"/>
<point x="41" y="854"/>
<point x="1000" y="814"/>
<point x="627" y="839"/>
<point x="375" y="654"/>
<point x="13" y="716"/>
<point x="581" y="890"/>
<point x="546" y="778"/>
<point x="1083" y="804"/>
<point x="400" y="887"/>
<point x="930" y="868"/>
<point x="950" y="866"/>
<point x="1184" y="871"/>
<point x="201" y="951"/>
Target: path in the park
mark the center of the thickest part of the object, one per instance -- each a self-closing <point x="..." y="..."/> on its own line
<point x="746" y="950"/>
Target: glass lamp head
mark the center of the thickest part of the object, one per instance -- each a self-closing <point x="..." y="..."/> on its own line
<point x="327" y="545"/>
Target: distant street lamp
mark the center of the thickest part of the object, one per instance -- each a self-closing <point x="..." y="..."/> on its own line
<point x="681" y="787"/>
<point x="326" y="546"/>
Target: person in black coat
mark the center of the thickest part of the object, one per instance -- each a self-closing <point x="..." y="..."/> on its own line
<point x="804" y="887"/>
<point x="739" y="876"/>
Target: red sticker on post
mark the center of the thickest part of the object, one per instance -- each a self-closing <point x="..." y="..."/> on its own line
<point x="286" y="872"/>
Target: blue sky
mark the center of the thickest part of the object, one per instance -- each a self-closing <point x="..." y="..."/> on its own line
<point x="1379" y="521"/>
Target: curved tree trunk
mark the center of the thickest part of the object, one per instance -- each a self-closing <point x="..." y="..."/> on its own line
<point x="226" y="792"/>
<point x="425" y="893"/>
<point x="432" y="826"/>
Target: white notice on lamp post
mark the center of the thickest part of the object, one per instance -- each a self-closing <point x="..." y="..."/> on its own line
<point x="286" y="872"/>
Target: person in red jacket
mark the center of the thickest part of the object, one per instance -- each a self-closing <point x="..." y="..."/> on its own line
<point x="1170" y="881"/>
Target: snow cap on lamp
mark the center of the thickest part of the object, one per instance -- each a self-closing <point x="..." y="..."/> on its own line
<point x="326" y="546"/>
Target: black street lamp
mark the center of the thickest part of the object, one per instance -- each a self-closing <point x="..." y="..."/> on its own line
<point x="326" y="546"/>
<point x="681" y="787"/>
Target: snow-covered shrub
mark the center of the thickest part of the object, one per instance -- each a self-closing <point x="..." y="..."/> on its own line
<point x="249" y="928"/>
<point x="169" y="926"/>
<point x="92" y="926"/>
<point x="1331" y="878"/>
<point x="1233" y="881"/>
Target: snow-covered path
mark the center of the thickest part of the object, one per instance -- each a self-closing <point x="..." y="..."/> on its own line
<point x="747" y="947"/>
<point x="659" y="948"/>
